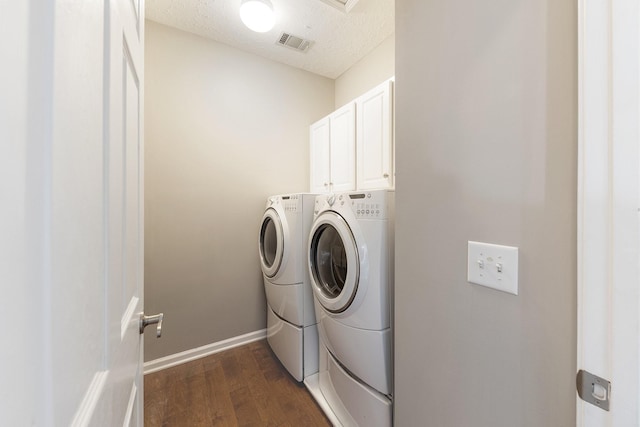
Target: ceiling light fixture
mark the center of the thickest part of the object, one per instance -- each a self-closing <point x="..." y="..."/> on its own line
<point x="258" y="15"/>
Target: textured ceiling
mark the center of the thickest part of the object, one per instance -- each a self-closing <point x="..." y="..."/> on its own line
<point x="339" y="39"/>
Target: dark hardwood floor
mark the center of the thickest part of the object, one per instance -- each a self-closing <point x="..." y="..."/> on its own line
<point x="244" y="386"/>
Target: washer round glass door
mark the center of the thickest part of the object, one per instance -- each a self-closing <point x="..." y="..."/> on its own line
<point x="334" y="262"/>
<point x="271" y="243"/>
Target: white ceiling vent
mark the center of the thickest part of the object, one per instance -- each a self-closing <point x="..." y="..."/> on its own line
<point x="294" y="42"/>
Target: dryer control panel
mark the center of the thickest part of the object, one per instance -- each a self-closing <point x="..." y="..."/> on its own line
<point x="291" y="203"/>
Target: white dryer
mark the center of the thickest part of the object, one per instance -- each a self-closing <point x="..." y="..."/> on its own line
<point x="291" y="325"/>
<point x="350" y="259"/>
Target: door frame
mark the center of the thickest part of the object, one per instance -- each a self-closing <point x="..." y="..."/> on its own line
<point x="608" y="291"/>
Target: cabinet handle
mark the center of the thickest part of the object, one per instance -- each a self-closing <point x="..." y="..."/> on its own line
<point x="386" y="175"/>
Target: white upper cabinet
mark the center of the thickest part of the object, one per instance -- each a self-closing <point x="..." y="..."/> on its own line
<point x="343" y="148"/>
<point x="320" y="165"/>
<point x="333" y="152"/>
<point x="352" y="148"/>
<point x="375" y="138"/>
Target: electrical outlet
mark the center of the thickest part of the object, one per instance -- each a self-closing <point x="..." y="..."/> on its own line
<point x="493" y="266"/>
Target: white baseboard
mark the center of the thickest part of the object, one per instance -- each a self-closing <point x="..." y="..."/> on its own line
<point x="205" y="350"/>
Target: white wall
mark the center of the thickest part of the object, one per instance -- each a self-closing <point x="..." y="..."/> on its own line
<point x="224" y="130"/>
<point x="376" y="67"/>
<point x="486" y="145"/>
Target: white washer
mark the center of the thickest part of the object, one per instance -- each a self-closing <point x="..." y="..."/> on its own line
<point x="350" y="262"/>
<point x="291" y="325"/>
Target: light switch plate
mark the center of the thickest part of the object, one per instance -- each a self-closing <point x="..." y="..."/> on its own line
<point x="494" y="266"/>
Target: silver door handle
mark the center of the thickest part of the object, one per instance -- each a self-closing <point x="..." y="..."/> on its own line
<point x="152" y="320"/>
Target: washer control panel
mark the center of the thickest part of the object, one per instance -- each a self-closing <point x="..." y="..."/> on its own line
<point x="374" y="204"/>
<point x="366" y="205"/>
<point x="367" y="210"/>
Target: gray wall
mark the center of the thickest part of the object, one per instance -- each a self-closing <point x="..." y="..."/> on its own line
<point x="486" y="150"/>
<point x="370" y="71"/>
<point x="224" y="130"/>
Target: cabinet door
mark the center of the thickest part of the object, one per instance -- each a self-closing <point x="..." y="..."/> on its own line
<point x="319" y="157"/>
<point x="375" y="138"/>
<point x="343" y="148"/>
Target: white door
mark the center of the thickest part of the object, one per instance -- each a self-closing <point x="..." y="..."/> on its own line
<point x="319" y="162"/>
<point x="608" y="212"/>
<point x="71" y="219"/>
<point x="342" y="125"/>
<point x="124" y="208"/>
<point x="374" y="138"/>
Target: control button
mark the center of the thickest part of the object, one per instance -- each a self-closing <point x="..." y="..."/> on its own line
<point x="367" y="211"/>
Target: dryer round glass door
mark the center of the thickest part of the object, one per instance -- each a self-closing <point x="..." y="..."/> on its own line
<point x="271" y="243"/>
<point x="333" y="261"/>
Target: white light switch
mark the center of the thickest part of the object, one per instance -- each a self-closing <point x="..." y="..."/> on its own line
<point x="494" y="266"/>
